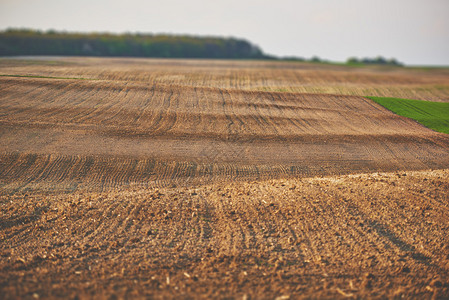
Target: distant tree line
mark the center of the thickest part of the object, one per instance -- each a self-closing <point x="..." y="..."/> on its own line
<point x="373" y="61"/>
<point x="51" y="42"/>
<point x="351" y="61"/>
<point x="33" y="42"/>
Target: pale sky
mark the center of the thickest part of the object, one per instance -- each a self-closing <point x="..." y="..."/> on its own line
<point x="415" y="32"/>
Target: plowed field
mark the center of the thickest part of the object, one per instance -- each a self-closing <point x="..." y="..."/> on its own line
<point x="172" y="178"/>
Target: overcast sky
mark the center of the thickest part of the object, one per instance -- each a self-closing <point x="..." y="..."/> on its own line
<point x="415" y="32"/>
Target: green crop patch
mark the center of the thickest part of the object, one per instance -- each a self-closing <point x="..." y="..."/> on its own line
<point x="434" y="115"/>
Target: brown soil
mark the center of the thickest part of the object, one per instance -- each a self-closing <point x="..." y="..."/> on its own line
<point x="376" y="235"/>
<point x="199" y="179"/>
<point x="412" y="83"/>
<point x="105" y="134"/>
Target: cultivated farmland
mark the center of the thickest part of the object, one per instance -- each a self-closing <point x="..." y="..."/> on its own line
<point x="180" y="178"/>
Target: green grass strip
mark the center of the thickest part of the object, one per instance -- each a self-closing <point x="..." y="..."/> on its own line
<point x="434" y="115"/>
<point x="48" y="77"/>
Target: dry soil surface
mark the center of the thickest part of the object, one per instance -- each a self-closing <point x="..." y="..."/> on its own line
<point x="381" y="235"/>
<point x="128" y="128"/>
<point x="143" y="178"/>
